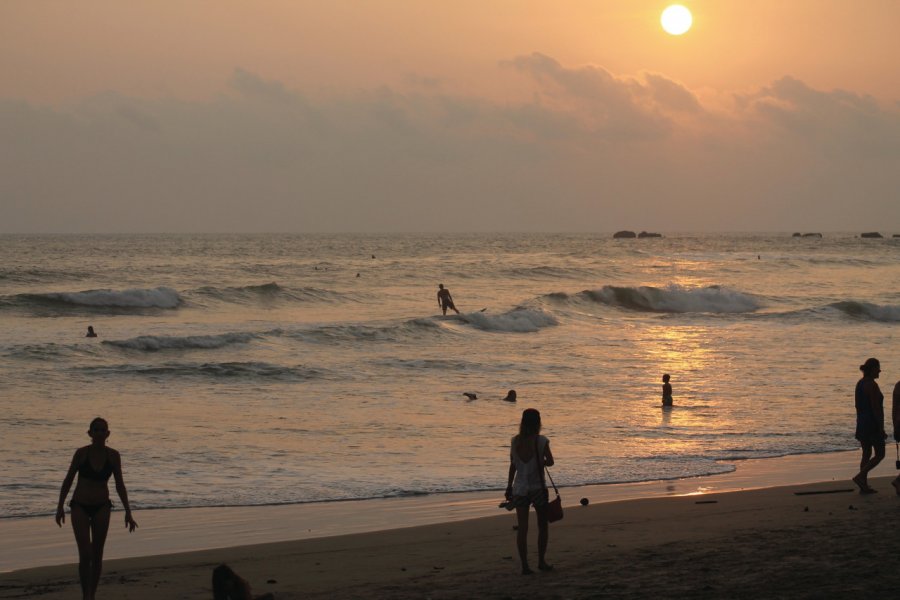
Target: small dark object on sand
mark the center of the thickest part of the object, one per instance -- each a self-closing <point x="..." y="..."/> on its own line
<point x="228" y="585"/>
<point x="584" y="501"/>
<point x="470" y="395"/>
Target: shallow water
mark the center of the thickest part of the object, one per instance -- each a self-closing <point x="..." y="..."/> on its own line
<point x="260" y="369"/>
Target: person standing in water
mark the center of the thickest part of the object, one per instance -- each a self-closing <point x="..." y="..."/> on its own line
<point x="666" y="391"/>
<point x="445" y="300"/>
<point x="90" y="332"/>
<point x="529" y="453"/>
<point x="869" y="423"/>
<point x="90" y="504"/>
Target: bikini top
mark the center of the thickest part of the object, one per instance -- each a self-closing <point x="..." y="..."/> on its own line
<point x="86" y="470"/>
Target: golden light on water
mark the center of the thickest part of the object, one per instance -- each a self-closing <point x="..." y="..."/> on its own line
<point x="676" y="19"/>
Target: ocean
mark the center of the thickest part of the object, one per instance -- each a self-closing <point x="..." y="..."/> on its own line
<point x="273" y="369"/>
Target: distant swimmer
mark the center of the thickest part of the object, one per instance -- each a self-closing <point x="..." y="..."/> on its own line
<point x="470" y="395"/>
<point x="445" y="300"/>
<point x="357" y="274"/>
<point x="667" y="391"/>
<point x="510" y="396"/>
<point x="90" y="332"/>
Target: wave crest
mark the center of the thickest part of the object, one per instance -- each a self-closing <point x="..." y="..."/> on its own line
<point x="868" y="311"/>
<point x="155" y="343"/>
<point x="674" y="299"/>
<point x="518" y="320"/>
<point x="161" y="297"/>
<point x="218" y="370"/>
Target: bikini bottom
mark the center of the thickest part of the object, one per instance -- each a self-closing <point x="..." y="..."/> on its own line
<point x="91" y="510"/>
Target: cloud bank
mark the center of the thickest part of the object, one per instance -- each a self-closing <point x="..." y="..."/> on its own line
<point x="584" y="150"/>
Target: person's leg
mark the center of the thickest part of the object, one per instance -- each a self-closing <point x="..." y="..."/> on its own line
<point x="81" y="526"/>
<point x="861" y="478"/>
<point x="99" y="529"/>
<point x="543" y="537"/>
<point x="522" y="537"/>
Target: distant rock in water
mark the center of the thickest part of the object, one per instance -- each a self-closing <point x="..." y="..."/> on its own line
<point x="814" y="235"/>
<point x="644" y="234"/>
<point x="797" y="234"/>
<point x="871" y="234"/>
<point x="624" y="234"/>
<point x="896" y="235"/>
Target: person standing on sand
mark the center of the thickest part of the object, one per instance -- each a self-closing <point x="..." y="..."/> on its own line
<point x="667" y="391"/>
<point x="90" y="504"/>
<point x="895" y="417"/>
<point x="445" y="300"/>
<point x="528" y="454"/>
<point x="869" y="422"/>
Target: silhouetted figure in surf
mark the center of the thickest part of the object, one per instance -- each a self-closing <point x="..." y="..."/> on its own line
<point x="895" y="417"/>
<point x="90" y="332"/>
<point x="667" y="391"/>
<point x="869" y="422"/>
<point x="90" y="505"/>
<point x="510" y="396"/>
<point x="445" y="300"/>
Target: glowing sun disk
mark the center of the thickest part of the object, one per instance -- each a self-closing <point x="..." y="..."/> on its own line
<point x="676" y="19"/>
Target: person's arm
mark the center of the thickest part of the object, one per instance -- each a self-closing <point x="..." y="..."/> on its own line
<point x="66" y="485"/>
<point x="439" y="301"/>
<point x="548" y="456"/>
<point x="509" y="480"/>
<point x="130" y="523"/>
<point x="895" y="412"/>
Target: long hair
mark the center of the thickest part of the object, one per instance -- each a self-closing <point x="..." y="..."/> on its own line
<point x="531" y="422"/>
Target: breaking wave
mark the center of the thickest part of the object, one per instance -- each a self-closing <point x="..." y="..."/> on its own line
<point x="414" y="328"/>
<point x="518" y="320"/>
<point x="868" y="311"/>
<point x="215" y="370"/>
<point x="161" y="297"/>
<point x="673" y="299"/>
<point x="155" y="343"/>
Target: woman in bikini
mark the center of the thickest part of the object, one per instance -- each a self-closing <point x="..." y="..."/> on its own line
<point x="90" y="504"/>
<point x="528" y="454"/>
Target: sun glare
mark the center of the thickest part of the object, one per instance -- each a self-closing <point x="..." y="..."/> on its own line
<point x="676" y="19"/>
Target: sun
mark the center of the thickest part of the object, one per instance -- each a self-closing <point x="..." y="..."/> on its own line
<point x="676" y="19"/>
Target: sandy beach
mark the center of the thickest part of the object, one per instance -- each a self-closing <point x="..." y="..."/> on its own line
<point x="796" y="541"/>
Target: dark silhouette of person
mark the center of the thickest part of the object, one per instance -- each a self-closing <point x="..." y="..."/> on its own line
<point x="895" y="417"/>
<point x="869" y="423"/>
<point x="445" y="300"/>
<point x="90" y="332"/>
<point x="666" y="391"/>
<point x="529" y="452"/>
<point x="510" y="396"/>
<point x="90" y="505"/>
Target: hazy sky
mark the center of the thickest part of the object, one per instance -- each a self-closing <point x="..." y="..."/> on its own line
<point x="415" y="115"/>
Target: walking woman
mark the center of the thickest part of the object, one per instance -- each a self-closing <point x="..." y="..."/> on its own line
<point x="869" y="423"/>
<point x="528" y="454"/>
<point x="90" y="503"/>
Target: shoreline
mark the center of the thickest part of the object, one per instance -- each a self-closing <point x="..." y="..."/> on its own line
<point x="36" y="542"/>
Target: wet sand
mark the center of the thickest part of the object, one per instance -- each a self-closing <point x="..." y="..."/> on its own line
<point x="768" y="542"/>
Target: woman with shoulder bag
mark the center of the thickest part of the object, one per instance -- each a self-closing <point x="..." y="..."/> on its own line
<point x="529" y="453"/>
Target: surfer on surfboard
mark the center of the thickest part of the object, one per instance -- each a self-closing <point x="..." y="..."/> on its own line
<point x="445" y="300"/>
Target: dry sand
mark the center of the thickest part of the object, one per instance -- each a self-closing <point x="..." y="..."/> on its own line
<point x="764" y="543"/>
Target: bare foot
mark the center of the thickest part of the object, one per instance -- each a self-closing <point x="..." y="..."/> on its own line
<point x="860" y="481"/>
<point x="868" y="490"/>
<point x="896" y="484"/>
<point x="526" y="571"/>
<point x="545" y="567"/>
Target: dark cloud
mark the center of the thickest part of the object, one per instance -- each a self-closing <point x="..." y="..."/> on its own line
<point x="589" y="150"/>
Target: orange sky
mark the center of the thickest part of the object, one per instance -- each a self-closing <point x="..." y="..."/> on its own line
<point x="52" y="50"/>
<point x="358" y="115"/>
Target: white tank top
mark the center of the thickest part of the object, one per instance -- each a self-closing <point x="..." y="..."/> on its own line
<point x="528" y="476"/>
